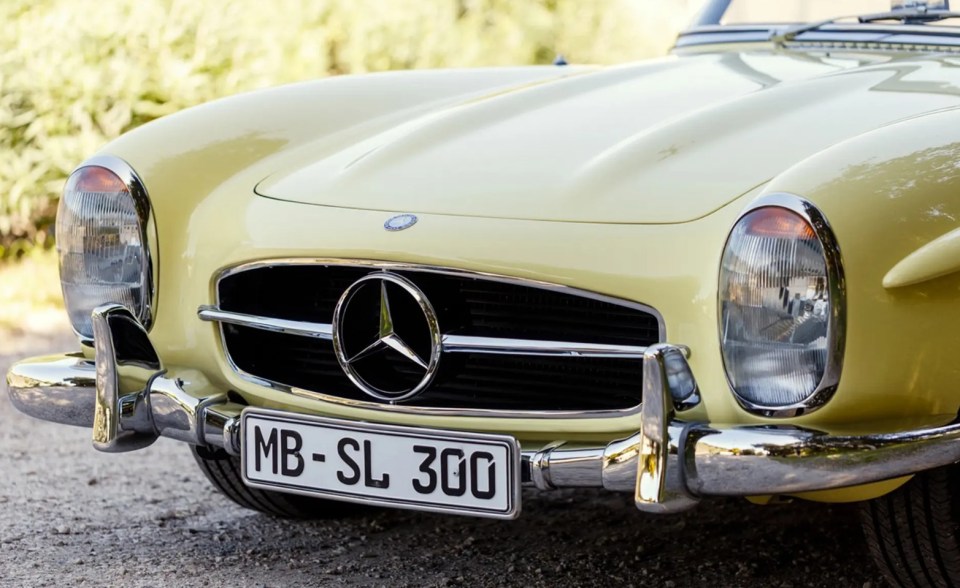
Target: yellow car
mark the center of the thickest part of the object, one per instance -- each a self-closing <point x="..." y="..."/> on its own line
<point x="732" y="271"/>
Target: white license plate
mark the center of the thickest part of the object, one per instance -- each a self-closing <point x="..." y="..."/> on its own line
<point x="423" y="469"/>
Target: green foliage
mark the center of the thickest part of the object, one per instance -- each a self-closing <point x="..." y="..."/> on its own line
<point x="77" y="73"/>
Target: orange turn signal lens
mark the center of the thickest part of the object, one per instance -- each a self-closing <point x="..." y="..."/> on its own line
<point x="97" y="179"/>
<point x="778" y="223"/>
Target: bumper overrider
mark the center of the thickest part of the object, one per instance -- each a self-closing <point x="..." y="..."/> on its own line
<point x="128" y="400"/>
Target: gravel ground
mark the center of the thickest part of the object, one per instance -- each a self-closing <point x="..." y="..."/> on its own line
<point x="72" y="516"/>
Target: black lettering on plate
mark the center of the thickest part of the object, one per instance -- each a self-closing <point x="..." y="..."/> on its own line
<point x="368" y="480"/>
<point x="460" y="474"/>
<point x="430" y="454"/>
<point x="291" y="443"/>
<point x="491" y="490"/>
<point x="353" y="478"/>
<point x="264" y="447"/>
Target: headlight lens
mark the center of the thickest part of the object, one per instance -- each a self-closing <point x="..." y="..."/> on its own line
<point x="781" y="306"/>
<point x="101" y="237"/>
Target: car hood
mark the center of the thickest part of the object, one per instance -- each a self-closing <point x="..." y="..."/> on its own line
<point x="663" y="141"/>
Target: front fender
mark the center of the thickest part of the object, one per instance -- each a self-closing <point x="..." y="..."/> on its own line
<point x="887" y="193"/>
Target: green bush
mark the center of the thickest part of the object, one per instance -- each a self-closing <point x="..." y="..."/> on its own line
<point x="77" y="73"/>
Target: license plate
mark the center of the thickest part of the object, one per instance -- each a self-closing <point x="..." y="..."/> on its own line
<point x="404" y="467"/>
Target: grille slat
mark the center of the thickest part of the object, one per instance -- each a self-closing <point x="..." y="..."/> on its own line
<point x="465" y="305"/>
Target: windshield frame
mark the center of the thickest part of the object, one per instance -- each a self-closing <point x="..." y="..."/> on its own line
<point x="705" y="29"/>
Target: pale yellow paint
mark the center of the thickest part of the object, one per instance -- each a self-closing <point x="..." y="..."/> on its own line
<point x="856" y="494"/>
<point x="850" y="494"/>
<point x="937" y="258"/>
<point x="622" y="181"/>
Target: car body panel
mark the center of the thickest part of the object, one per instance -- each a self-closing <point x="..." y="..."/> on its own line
<point x="887" y="194"/>
<point x="609" y="145"/>
<point x="940" y="257"/>
<point x="869" y="138"/>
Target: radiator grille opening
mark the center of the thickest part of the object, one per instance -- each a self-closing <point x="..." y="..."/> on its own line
<point x="465" y="305"/>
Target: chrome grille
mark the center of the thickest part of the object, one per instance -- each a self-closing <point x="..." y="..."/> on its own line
<point x="508" y="345"/>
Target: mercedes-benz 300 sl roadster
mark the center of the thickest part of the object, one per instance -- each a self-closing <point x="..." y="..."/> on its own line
<point x="731" y="271"/>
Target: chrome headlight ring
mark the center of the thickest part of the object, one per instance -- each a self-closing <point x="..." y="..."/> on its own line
<point x="834" y="293"/>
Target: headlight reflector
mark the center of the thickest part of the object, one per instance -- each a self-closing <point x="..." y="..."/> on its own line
<point x="781" y="308"/>
<point x="101" y="235"/>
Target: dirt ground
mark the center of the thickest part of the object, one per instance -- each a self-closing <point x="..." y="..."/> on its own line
<point x="70" y="516"/>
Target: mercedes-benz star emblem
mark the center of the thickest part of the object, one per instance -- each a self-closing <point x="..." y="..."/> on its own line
<point x="400" y="222"/>
<point x="386" y="336"/>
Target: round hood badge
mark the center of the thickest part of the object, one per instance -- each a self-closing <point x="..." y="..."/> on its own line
<point x="386" y="336"/>
<point x="400" y="222"/>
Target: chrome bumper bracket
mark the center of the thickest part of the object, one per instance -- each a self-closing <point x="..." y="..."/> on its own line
<point x="126" y="366"/>
<point x="660" y="484"/>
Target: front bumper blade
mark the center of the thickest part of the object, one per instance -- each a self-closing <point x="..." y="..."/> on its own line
<point x="668" y="465"/>
<point x="56" y="388"/>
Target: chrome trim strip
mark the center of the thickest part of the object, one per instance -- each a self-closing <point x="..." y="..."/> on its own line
<point x="841" y="35"/>
<point x="446" y="271"/>
<point x="303" y="328"/>
<point x="439" y="411"/>
<point x="706" y="36"/>
<point x="450" y="343"/>
<point x="497" y="346"/>
<point x="148" y="234"/>
<point x="421" y="410"/>
<point x="836" y="327"/>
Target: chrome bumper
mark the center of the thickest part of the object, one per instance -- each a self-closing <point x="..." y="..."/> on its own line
<point x="128" y="400"/>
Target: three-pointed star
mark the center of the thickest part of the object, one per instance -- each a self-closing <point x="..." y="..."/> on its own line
<point x="387" y="337"/>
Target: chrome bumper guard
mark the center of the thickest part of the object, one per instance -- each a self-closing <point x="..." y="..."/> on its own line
<point x="124" y="395"/>
<point x="128" y="400"/>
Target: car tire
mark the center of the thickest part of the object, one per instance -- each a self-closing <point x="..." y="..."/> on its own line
<point x="914" y="532"/>
<point x="223" y="471"/>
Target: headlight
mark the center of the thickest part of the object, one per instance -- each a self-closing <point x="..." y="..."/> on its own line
<point x="104" y="233"/>
<point x="782" y="308"/>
